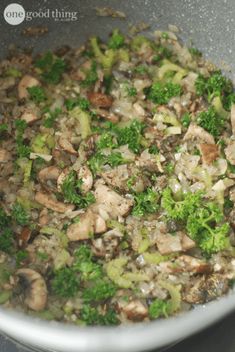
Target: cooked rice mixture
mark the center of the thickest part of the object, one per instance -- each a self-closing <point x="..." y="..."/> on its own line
<point x="117" y="174"/>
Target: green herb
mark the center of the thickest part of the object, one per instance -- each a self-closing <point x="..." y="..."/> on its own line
<point x="195" y="52"/>
<point x="106" y="141"/>
<point x="153" y="149"/>
<point x="19" y="214"/>
<point x="52" y="68"/>
<point x="141" y="69"/>
<point x="160" y="93"/>
<point x="145" y="203"/>
<point x="98" y="160"/>
<point x="165" y="35"/>
<point x="131" y="135"/>
<point x="42" y="255"/>
<point x="21" y="149"/>
<point x="71" y="189"/>
<point x="211" y="121"/>
<point x="131" y="91"/>
<point x="117" y="40"/>
<point x="107" y="82"/>
<point x="186" y="119"/>
<point x="82" y="103"/>
<point x="99" y="291"/>
<point x="21" y="256"/>
<point x="83" y="263"/>
<point x="91" y="316"/>
<point x="65" y="283"/>
<point x="51" y="117"/>
<point x="91" y="76"/>
<point x="161" y="53"/>
<point x="6" y="240"/>
<point x="158" y="308"/>
<point x="37" y="94"/>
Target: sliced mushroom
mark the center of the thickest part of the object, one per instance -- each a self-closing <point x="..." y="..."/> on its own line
<point x="85" y="174"/>
<point x="230" y="153"/>
<point x="186" y="263"/>
<point x="100" y="100"/>
<point x="26" y="82"/>
<point x="205" y="289"/>
<point x="233" y="118"/>
<point x="5" y="156"/>
<point x="66" y="145"/>
<point x="210" y="152"/>
<point x="50" y="173"/>
<point x="135" y="310"/>
<point x="168" y="243"/>
<point x="36" y="295"/>
<point x="111" y="201"/>
<point x="53" y="204"/>
<point x="89" y="223"/>
<point x="197" y="132"/>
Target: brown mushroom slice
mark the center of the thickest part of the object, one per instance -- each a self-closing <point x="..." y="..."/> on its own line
<point x="205" y="289"/>
<point x="85" y="174"/>
<point x="5" y="156"/>
<point x="167" y="243"/>
<point x="233" y="118"/>
<point x="135" y="310"/>
<point x="186" y="263"/>
<point x="100" y="100"/>
<point x="50" y="173"/>
<point x="47" y="201"/>
<point x="230" y="153"/>
<point x="197" y="132"/>
<point x="83" y="229"/>
<point x="67" y="146"/>
<point x="210" y="152"/>
<point x="36" y="295"/>
<point x="26" y="82"/>
<point x="111" y="201"/>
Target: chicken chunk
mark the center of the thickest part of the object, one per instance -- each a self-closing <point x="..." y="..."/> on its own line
<point x="186" y="263"/>
<point x="197" y="132"/>
<point x="53" y="204"/>
<point x="168" y="243"/>
<point x="230" y="153"/>
<point x="5" y="156"/>
<point x="100" y="100"/>
<point x="26" y="82"/>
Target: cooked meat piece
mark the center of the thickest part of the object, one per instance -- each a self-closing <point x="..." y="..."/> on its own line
<point x="134" y="310"/>
<point x="230" y="153"/>
<point x="205" y="289"/>
<point x="100" y="100"/>
<point x="168" y="243"/>
<point x="197" y="132"/>
<point x="50" y="173"/>
<point x="30" y="116"/>
<point x="210" y="152"/>
<point x="66" y="145"/>
<point x="26" y="82"/>
<point x="47" y="201"/>
<point x="111" y="201"/>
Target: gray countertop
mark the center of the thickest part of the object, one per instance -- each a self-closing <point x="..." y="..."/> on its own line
<point x="219" y="337"/>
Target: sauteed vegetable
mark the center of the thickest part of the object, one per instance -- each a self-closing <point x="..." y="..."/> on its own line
<point x="117" y="181"/>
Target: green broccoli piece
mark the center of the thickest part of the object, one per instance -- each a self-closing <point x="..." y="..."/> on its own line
<point x="205" y="226"/>
<point x="65" y="283"/>
<point x="117" y="40"/>
<point x="145" y="203"/>
<point x="180" y="209"/>
<point x="71" y="189"/>
<point x="158" y="308"/>
<point x="37" y="94"/>
<point x="91" y="316"/>
<point x="160" y="93"/>
<point x="52" y="67"/>
<point x="211" y="121"/>
<point x="19" y="214"/>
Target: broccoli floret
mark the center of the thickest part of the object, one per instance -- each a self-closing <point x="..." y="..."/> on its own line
<point x="158" y="308"/>
<point x="65" y="283"/>
<point x="19" y="214"/>
<point x="205" y="226"/>
<point x="211" y="121"/>
<point x="117" y="40"/>
<point x="37" y="94"/>
<point x="160" y="93"/>
<point x="180" y="209"/>
<point x="145" y="202"/>
<point x="71" y="189"/>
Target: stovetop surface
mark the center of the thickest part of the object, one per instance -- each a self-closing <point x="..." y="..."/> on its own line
<point x="218" y="338"/>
